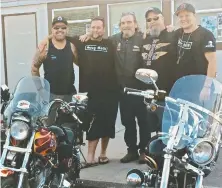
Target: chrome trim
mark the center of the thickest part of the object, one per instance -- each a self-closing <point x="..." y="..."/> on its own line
<point x="166" y="171"/>
<point x="24" y="170"/>
<point x="199" y="182"/>
<point x="26" y="158"/>
<point x="200" y="108"/>
<point x="10" y="156"/>
<point x="17" y="149"/>
<point x="62" y="178"/>
<point x="4" y="153"/>
<point x="21" y="118"/>
<point x="194" y="145"/>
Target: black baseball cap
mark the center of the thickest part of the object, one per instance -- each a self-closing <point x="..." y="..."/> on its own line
<point x="59" y="19"/>
<point x="154" y="10"/>
<point x="185" y="6"/>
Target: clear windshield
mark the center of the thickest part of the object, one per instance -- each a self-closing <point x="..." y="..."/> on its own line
<point x="31" y="95"/>
<point x="201" y="93"/>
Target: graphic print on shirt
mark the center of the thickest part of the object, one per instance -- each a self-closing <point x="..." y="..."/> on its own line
<point x="53" y="57"/>
<point x="136" y="48"/>
<point x="184" y="44"/>
<point x="210" y="44"/>
<point x="118" y="47"/>
<point x="151" y="51"/>
<point x="96" y="48"/>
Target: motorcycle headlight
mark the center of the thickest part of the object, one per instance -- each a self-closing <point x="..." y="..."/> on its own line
<point x="135" y="178"/>
<point x="202" y="153"/>
<point x="19" y="130"/>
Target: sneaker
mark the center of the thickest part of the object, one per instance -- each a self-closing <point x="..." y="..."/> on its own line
<point x="129" y="157"/>
<point x="142" y="158"/>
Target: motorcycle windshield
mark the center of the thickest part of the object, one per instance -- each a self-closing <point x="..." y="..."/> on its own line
<point x="31" y="95"/>
<point x="204" y="95"/>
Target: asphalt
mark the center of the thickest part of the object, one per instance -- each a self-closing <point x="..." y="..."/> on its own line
<point x="113" y="174"/>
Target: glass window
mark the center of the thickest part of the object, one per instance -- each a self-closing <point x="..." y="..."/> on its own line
<point x="78" y="28"/>
<point x="200" y="4"/>
<point x="139" y="8"/>
<point x="77" y="14"/>
<point x="79" y="18"/>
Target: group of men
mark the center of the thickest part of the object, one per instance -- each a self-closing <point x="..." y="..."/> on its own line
<point x="106" y="66"/>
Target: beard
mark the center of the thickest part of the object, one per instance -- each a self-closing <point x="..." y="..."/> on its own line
<point x="128" y="34"/>
<point x="155" y="32"/>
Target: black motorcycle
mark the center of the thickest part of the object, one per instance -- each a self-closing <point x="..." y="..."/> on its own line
<point x="5" y="96"/>
<point x="36" y="154"/>
<point x="72" y="117"/>
<point x="187" y="148"/>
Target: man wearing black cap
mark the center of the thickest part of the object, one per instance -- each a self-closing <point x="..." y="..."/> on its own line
<point x="57" y="60"/>
<point x="97" y="77"/>
<point x="159" y="54"/>
<point x="196" y="47"/>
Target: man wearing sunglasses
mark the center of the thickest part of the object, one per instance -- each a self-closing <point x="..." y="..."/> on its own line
<point x="159" y="51"/>
<point x="159" y="54"/>
<point x="57" y="60"/>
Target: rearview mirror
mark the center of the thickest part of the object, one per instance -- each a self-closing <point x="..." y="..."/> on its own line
<point x="147" y="76"/>
<point x="5" y="95"/>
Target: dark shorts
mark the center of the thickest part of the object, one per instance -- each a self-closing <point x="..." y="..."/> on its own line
<point x="104" y="111"/>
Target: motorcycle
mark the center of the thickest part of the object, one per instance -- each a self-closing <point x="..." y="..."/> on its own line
<point x="36" y="154"/>
<point x="187" y="148"/>
<point x="72" y="117"/>
<point x="5" y="96"/>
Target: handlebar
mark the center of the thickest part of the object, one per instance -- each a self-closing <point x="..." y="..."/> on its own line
<point x="67" y="106"/>
<point x="147" y="94"/>
<point x="127" y="89"/>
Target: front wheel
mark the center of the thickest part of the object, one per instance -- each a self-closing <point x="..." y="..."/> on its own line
<point x="8" y="182"/>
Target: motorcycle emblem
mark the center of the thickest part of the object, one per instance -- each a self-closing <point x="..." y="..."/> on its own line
<point x="23" y="104"/>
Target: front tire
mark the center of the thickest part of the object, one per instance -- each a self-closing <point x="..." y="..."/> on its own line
<point x="8" y="182"/>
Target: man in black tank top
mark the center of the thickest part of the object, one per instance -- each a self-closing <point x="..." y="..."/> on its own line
<point x="97" y="77"/>
<point x="57" y="62"/>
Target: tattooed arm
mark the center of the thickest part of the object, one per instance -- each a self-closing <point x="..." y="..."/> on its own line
<point x="38" y="59"/>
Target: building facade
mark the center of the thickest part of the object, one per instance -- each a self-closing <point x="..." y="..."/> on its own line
<point x="26" y="22"/>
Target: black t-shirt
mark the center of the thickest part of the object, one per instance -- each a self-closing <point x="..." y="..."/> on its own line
<point x="159" y="54"/>
<point x="96" y="66"/>
<point x="191" y="49"/>
<point x="59" y="70"/>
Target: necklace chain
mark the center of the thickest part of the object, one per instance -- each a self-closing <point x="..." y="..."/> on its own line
<point x="182" y="53"/>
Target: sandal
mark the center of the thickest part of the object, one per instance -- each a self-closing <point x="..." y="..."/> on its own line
<point x="87" y="165"/>
<point x="103" y="160"/>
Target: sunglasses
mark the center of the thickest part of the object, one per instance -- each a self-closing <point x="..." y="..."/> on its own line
<point x="57" y="28"/>
<point x="154" y="19"/>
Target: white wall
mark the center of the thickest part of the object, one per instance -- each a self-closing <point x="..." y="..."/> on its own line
<point x="41" y="21"/>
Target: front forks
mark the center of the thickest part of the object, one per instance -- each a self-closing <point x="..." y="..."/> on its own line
<point x="27" y="152"/>
<point x="166" y="170"/>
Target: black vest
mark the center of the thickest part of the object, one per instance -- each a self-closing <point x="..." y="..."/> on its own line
<point x="59" y="69"/>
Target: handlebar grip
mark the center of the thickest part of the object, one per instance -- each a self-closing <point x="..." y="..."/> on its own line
<point x="127" y="89"/>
